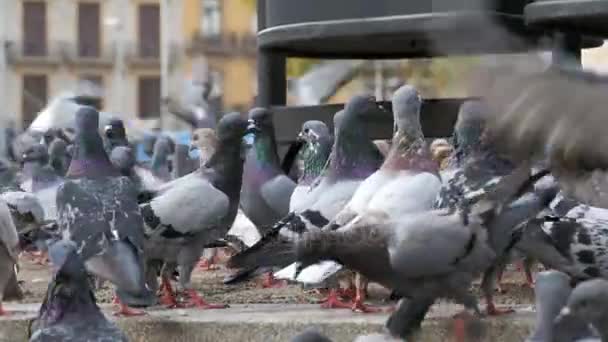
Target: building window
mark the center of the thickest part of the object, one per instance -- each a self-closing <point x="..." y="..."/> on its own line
<point x="34" y="28"/>
<point x="89" y="29"/>
<point x="33" y="97"/>
<point x="211" y="20"/>
<point x="149" y="97"/>
<point x="149" y="30"/>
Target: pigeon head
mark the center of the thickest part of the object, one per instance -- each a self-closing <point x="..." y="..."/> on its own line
<point x="357" y="108"/>
<point x="406" y="111"/>
<point x="313" y="131"/>
<point x="203" y="144"/>
<point x="470" y="125"/>
<point x="69" y="294"/>
<point x="59" y="157"/>
<point x="89" y="157"/>
<point x="260" y="119"/>
<point x="164" y="146"/>
<point x="115" y="129"/>
<point x="123" y="159"/>
<point x="148" y="143"/>
<point x="589" y="301"/>
<point x="231" y="127"/>
<point x="37" y="154"/>
<point x="87" y="120"/>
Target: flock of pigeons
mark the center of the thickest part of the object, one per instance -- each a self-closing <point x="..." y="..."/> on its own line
<point x="524" y="180"/>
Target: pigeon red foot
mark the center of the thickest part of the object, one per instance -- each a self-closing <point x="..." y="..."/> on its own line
<point x="209" y="264"/>
<point x="270" y="282"/>
<point x="196" y="301"/>
<point x="124" y="310"/>
<point x="359" y="305"/>
<point x="3" y="312"/>
<point x="168" y="297"/>
<point x="460" y="323"/>
<point x="492" y="310"/>
<point x="333" y="301"/>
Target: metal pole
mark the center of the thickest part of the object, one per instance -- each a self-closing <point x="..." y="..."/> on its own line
<point x="567" y="49"/>
<point x="272" y="77"/>
<point x="165" y="19"/>
<point x="118" y="27"/>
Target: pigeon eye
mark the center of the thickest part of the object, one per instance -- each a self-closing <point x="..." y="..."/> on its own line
<point x="306" y="130"/>
<point x="195" y="137"/>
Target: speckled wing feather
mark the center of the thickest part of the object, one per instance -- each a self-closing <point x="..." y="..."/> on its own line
<point x="8" y="232"/>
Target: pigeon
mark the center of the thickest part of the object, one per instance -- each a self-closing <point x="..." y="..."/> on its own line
<point x="573" y="243"/>
<point x="195" y="210"/>
<point x="310" y="335"/>
<point x="476" y="166"/>
<point x="9" y="243"/>
<point x="353" y="158"/>
<point x="313" y="157"/>
<point x="28" y="215"/>
<point x="182" y="164"/>
<point x="114" y="134"/>
<point x="37" y="173"/>
<point x="408" y="181"/>
<point x="204" y="140"/>
<point x="587" y="302"/>
<point x="97" y="209"/>
<point x="9" y="179"/>
<point x="159" y="165"/>
<point x="69" y="311"/>
<point x="551" y="293"/>
<point x="450" y="248"/>
<point x="265" y="185"/>
<point x="59" y="158"/>
<point x="557" y="114"/>
<point x="441" y="150"/>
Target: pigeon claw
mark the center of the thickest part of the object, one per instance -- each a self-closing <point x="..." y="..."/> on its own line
<point x="196" y="301"/>
<point x="126" y="311"/>
<point x="270" y="282"/>
<point x="333" y="301"/>
<point x="3" y="312"/>
<point x="360" y="307"/>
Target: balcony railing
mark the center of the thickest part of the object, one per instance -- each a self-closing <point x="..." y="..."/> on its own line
<point x="18" y="53"/>
<point x="228" y="44"/>
<point x="138" y="55"/>
<point x="103" y="55"/>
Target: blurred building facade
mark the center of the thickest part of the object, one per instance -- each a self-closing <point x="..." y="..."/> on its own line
<point x="49" y="46"/>
<point x="222" y="33"/>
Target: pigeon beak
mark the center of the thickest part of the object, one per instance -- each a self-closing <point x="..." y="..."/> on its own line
<point x="300" y="137"/>
<point x="252" y="127"/>
<point x="565" y="312"/>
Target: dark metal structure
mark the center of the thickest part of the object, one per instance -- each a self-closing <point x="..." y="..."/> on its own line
<point x="381" y="29"/>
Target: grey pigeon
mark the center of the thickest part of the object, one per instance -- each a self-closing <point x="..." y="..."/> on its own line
<point x="450" y="248"/>
<point x="182" y="164"/>
<point x="571" y="243"/>
<point x="265" y="185"/>
<point x="557" y="114"/>
<point x="551" y="293"/>
<point x="37" y="173"/>
<point x="408" y="181"/>
<point x="587" y="302"/>
<point x="159" y="165"/>
<point x="114" y="135"/>
<point x="69" y="311"/>
<point x="97" y="209"/>
<point x="197" y="209"/>
<point x="59" y="158"/>
<point x="9" y="244"/>
<point x="354" y="157"/>
<point x="476" y="167"/>
<point x="310" y="335"/>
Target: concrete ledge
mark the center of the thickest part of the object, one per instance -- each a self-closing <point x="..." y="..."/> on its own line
<point x="276" y="322"/>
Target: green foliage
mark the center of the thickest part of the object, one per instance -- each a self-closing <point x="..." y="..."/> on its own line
<point x="296" y="67"/>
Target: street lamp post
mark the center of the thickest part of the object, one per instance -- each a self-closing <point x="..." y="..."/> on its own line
<point x="165" y="16"/>
<point x="116" y="23"/>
